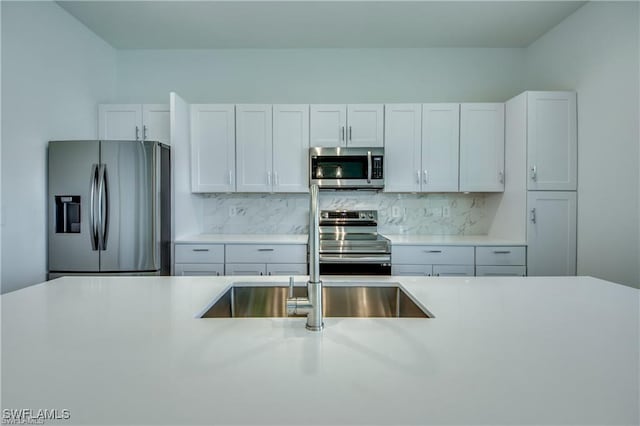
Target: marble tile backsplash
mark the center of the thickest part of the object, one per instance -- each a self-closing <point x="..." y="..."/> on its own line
<point x="426" y="214"/>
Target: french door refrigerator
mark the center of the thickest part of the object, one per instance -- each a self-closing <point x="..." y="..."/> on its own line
<point x="109" y="208"/>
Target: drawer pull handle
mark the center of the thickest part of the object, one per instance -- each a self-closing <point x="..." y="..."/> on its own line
<point x="433" y="251"/>
<point x="265" y="249"/>
<point x="502" y="251"/>
<point x="200" y="249"/>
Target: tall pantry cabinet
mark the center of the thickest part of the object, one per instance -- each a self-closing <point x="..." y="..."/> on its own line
<point x="550" y="134"/>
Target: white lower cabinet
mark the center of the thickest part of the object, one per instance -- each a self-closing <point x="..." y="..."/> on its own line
<point x="551" y="233"/>
<point x="266" y="259"/>
<point x="199" y="269"/>
<point x="199" y="259"/>
<point x="411" y="270"/>
<point x="453" y="270"/>
<point x="501" y="271"/>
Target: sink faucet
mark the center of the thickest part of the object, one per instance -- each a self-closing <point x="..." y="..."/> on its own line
<point x="312" y="304"/>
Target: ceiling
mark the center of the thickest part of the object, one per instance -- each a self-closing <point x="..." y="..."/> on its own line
<point x="318" y="24"/>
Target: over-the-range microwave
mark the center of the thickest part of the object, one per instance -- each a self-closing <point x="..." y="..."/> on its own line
<point x="347" y="168"/>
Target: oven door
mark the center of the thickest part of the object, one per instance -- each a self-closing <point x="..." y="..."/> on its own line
<point x="355" y="264"/>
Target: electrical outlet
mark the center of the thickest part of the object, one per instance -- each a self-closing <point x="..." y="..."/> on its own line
<point x="233" y="211"/>
<point x="395" y="211"/>
<point x="446" y="211"/>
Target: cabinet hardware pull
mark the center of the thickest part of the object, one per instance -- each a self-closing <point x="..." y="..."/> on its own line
<point x="350" y="133"/>
<point x="433" y="251"/>
<point x="502" y="251"/>
<point x="276" y="181"/>
<point x="426" y="176"/>
<point x="144" y="132"/>
<point x="269" y="178"/>
<point x="418" y="177"/>
<point x="342" y="133"/>
<point x="533" y="215"/>
<point x="137" y="133"/>
<point x="200" y="249"/>
<point x="501" y="176"/>
<point x="230" y="177"/>
<point x="265" y="249"/>
<point x="534" y="173"/>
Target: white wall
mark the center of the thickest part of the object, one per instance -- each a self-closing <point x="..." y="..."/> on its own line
<point x="321" y="75"/>
<point x="595" y="52"/>
<point x="54" y="72"/>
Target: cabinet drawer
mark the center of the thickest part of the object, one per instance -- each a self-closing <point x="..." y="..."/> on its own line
<point x="453" y="270"/>
<point x="266" y="253"/>
<point x="199" y="253"/>
<point x="245" y="268"/>
<point x="500" y="255"/>
<point x="501" y="271"/>
<point x="199" y="269"/>
<point x="409" y="270"/>
<point x="442" y="255"/>
<point x="287" y="269"/>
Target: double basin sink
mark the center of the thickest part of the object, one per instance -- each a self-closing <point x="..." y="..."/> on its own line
<point x="245" y="300"/>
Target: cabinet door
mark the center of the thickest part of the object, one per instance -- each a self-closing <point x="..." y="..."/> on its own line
<point x="551" y="233"/>
<point x="402" y="147"/>
<point x="453" y="270"/>
<point x="291" y="148"/>
<point x="552" y="141"/>
<point x="286" y="269"/>
<point x="440" y="141"/>
<point x="412" y="270"/>
<point x="482" y="147"/>
<point x="328" y="125"/>
<point x="254" y="148"/>
<point x="365" y="125"/>
<point x="120" y="122"/>
<point x="199" y="269"/>
<point x="245" y="269"/>
<point x="501" y="271"/>
<point x="213" y="148"/>
<point x="155" y="123"/>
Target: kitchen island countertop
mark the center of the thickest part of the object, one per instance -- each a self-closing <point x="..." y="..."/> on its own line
<point x="500" y="350"/>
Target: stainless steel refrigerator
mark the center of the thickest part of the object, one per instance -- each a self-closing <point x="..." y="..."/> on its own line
<point x="109" y="208"/>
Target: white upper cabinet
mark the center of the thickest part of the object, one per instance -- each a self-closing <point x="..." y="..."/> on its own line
<point x="134" y="122"/>
<point x="440" y="142"/>
<point x="482" y="147"/>
<point x="341" y="125"/>
<point x="212" y="148"/>
<point x="156" y="123"/>
<point x="120" y="122"/>
<point x="552" y="141"/>
<point x="403" y="147"/>
<point x="328" y="125"/>
<point x="291" y="148"/>
<point x="254" y="148"/>
<point x="365" y="125"/>
<point x="551" y="233"/>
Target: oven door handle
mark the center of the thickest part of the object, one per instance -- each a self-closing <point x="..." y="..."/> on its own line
<point x="354" y="258"/>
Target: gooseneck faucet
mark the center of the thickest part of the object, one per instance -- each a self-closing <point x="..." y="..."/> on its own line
<point x="312" y="304"/>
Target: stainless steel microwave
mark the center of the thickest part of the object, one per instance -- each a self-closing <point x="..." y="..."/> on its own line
<point x="347" y="168"/>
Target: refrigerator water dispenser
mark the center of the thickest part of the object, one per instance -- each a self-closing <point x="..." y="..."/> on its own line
<point x="67" y="214"/>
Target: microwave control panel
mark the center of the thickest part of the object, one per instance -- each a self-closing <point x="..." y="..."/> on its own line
<point x="376" y="172"/>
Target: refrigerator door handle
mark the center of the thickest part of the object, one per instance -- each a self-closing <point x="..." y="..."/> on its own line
<point x="92" y="208"/>
<point x="103" y="206"/>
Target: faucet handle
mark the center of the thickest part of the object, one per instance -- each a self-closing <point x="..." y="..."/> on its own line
<point x="290" y="287"/>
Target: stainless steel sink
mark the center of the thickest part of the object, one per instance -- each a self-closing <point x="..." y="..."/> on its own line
<point x="242" y="301"/>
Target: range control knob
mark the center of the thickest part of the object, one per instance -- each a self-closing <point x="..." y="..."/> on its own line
<point x="371" y="215"/>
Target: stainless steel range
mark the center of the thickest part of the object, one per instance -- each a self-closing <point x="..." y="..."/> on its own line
<point x="350" y="244"/>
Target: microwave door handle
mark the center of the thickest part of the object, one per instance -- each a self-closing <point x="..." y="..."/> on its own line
<point x="369" y="166"/>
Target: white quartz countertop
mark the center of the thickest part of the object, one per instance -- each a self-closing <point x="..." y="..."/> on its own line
<point x="131" y="350"/>
<point x="245" y="239"/>
<point x="452" y="240"/>
<point x="469" y="240"/>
